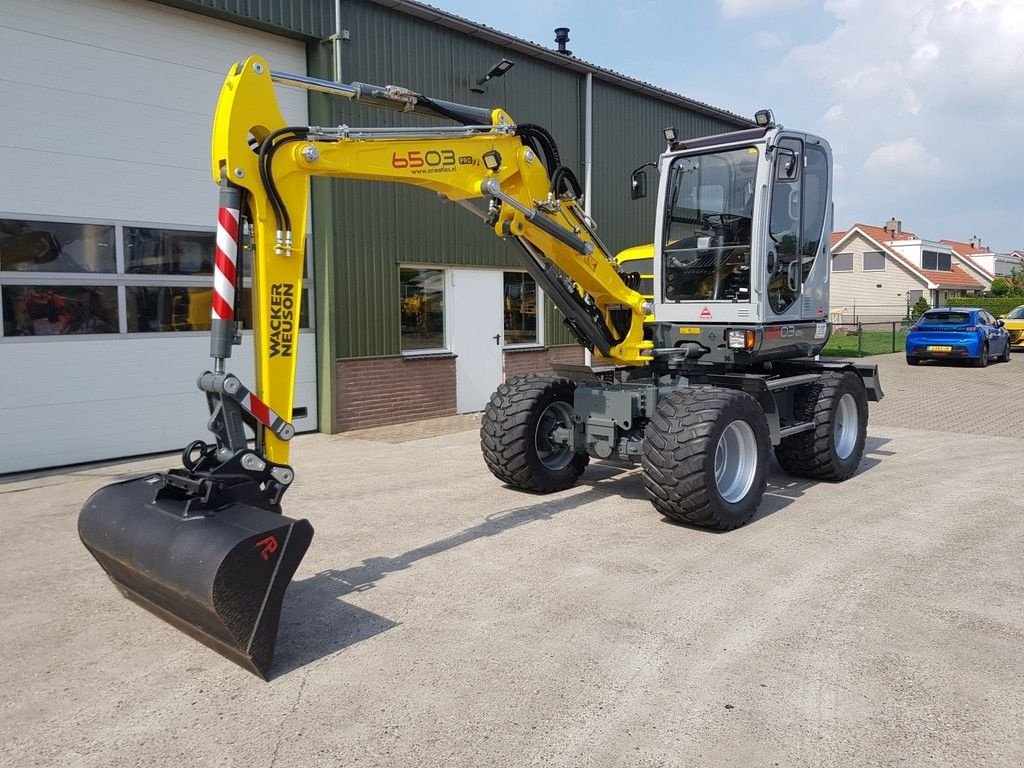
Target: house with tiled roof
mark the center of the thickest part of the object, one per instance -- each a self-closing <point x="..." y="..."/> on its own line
<point x="878" y="273"/>
<point x="994" y="264"/>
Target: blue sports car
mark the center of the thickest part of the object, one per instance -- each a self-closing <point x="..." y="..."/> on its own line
<point x="958" y="332"/>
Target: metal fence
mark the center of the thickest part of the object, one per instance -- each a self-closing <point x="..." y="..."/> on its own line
<point x="866" y="338"/>
<point x="870" y="313"/>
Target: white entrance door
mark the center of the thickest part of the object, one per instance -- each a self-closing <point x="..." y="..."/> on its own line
<point x="477" y="336"/>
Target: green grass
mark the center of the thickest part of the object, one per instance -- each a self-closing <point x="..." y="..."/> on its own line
<point x="867" y="343"/>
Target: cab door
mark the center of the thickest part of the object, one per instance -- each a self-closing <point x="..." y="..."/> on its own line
<point x="799" y="225"/>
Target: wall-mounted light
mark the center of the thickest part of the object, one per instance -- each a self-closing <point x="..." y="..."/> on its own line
<point x="497" y="70"/>
<point x="764" y="118"/>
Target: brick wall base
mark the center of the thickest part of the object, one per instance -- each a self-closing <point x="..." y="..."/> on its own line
<point x="540" y="360"/>
<point x="375" y="392"/>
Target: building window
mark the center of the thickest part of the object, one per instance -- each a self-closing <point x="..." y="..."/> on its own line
<point x="49" y="246"/>
<point x="168" y="252"/>
<point x="842" y="262"/>
<point x="874" y="261"/>
<point x="49" y="310"/>
<point x="421" y="293"/>
<point x="67" y="278"/>
<point x="520" y="308"/>
<point x="935" y="260"/>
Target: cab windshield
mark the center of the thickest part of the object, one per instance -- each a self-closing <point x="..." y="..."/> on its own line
<point x="706" y="245"/>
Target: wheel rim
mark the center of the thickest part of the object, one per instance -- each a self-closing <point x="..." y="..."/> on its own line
<point x="847" y="425"/>
<point x="554" y="456"/>
<point x="735" y="461"/>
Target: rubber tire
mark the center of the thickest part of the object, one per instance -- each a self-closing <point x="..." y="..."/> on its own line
<point x="982" y="360"/>
<point x="1006" y="353"/>
<point x="508" y="431"/>
<point x="812" y="454"/>
<point x="913" y="361"/>
<point x="679" y="448"/>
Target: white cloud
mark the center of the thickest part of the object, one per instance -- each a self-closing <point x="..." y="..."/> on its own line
<point x="907" y="156"/>
<point x="767" y="41"/>
<point x="736" y="8"/>
<point x="920" y="88"/>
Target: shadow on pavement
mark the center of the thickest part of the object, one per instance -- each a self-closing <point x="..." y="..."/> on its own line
<point x="316" y="623"/>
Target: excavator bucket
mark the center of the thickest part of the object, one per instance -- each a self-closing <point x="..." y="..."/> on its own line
<point x="218" y="573"/>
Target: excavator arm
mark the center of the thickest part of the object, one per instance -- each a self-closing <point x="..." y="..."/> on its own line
<point x="264" y="167"/>
<point x="206" y="547"/>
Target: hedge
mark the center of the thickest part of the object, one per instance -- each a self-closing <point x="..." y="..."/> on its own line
<point x="997" y="307"/>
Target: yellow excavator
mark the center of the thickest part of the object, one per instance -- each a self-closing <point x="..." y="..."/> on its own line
<point x="698" y="385"/>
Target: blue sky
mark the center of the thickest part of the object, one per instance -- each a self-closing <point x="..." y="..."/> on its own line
<point x="922" y="100"/>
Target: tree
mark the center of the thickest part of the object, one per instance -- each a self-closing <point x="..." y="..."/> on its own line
<point x="1016" y="282"/>
<point x="1000" y="287"/>
<point x="920" y="308"/>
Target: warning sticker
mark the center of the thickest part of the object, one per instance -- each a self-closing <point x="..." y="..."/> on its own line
<point x="705" y="314"/>
<point x="821" y="311"/>
<point x="820" y="329"/>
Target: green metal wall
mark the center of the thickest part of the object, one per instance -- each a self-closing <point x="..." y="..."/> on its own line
<point x="628" y="133"/>
<point x="375" y="227"/>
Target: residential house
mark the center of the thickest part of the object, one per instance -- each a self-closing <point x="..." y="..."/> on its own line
<point x="879" y="273"/>
<point x="994" y="264"/>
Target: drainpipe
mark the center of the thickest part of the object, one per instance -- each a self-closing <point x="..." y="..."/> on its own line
<point x="588" y="157"/>
<point x="588" y="142"/>
<point x="336" y="40"/>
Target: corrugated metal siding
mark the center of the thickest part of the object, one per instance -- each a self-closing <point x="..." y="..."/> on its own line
<point x="296" y="18"/>
<point x="628" y="133"/>
<point x="376" y="227"/>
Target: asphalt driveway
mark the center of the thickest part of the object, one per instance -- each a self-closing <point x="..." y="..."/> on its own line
<point x="443" y="619"/>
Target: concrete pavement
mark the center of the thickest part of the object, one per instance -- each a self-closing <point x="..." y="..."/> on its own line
<point x="441" y="618"/>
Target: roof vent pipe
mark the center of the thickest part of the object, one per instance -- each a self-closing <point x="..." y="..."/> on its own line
<point x="562" y="37"/>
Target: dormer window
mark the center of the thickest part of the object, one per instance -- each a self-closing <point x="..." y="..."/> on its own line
<point x="936" y="260"/>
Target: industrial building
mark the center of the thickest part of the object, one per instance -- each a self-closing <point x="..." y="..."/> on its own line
<point x="107" y="210"/>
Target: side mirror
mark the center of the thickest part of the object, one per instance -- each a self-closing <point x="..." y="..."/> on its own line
<point x="787" y="167"/>
<point x="1000" y="322"/>
<point x="638" y="184"/>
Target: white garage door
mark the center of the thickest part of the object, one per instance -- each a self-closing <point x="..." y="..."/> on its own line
<point x="106" y="214"/>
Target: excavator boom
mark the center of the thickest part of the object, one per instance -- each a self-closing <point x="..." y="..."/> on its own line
<point x="206" y="547"/>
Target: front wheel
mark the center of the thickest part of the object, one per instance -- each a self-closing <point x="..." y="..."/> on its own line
<point x="705" y="457"/>
<point x="913" y="361"/>
<point x="1006" y="353"/>
<point x="837" y="404"/>
<point x="523" y="431"/>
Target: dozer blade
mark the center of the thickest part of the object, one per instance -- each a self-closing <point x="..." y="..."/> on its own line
<point x="219" y="575"/>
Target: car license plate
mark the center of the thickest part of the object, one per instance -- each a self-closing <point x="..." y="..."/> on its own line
<point x="940" y="349"/>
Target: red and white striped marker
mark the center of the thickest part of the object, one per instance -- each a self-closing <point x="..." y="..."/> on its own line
<point x="225" y="264"/>
<point x="259" y="409"/>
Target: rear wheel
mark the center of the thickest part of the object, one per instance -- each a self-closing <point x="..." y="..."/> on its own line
<point x="519" y="434"/>
<point x="705" y="457"/>
<point x="982" y="359"/>
<point x="837" y="403"/>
